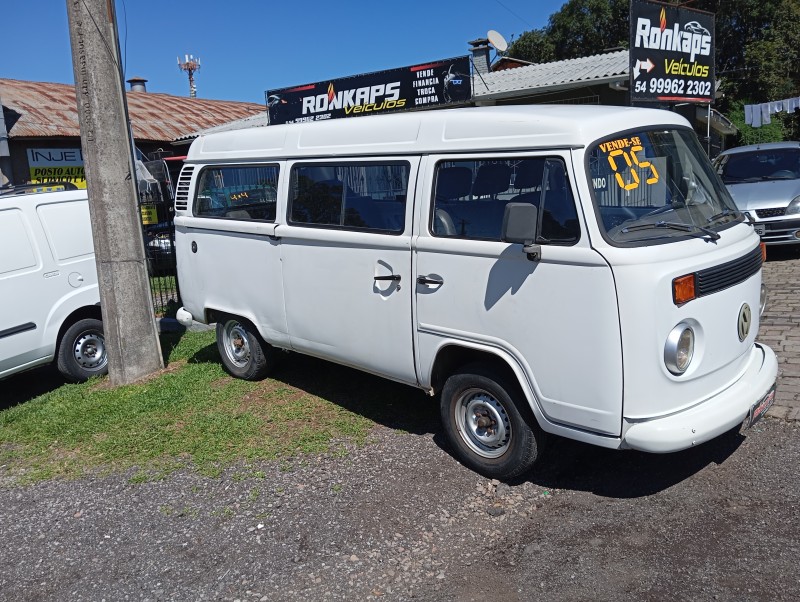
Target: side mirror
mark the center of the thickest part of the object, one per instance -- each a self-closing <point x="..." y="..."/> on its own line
<point x="520" y="225"/>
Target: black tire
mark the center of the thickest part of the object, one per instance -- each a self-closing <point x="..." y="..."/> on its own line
<point x="244" y="353"/>
<point x="491" y="432"/>
<point x="82" y="351"/>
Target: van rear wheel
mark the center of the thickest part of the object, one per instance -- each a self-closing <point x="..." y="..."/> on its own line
<point x="244" y="353"/>
<point x="486" y="427"/>
<point x="82" y="351"/>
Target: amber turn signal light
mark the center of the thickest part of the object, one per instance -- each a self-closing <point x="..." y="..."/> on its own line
<point x="683" y="289"/>
<point x="763" y="252"/>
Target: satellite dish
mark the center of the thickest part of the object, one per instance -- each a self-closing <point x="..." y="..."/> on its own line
<point x="497" y="40"/>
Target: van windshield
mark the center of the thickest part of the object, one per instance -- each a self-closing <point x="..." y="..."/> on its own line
<point x="653" y="186"/>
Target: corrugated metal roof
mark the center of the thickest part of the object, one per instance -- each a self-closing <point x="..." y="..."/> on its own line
<point x="253" y="121"/>
<point x="50" y="110"/>
<point x="547" y="77"/>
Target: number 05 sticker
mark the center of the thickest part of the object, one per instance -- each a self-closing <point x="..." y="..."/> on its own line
<point x="630" y="160"/>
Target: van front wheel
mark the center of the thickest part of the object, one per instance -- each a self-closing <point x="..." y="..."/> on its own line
<point x="486" y="428"/>
<point x="82" y="351"/>
<point x="244" y="353"/>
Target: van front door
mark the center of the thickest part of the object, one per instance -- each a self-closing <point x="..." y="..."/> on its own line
<point x="346" y="261"/>
<point x="556" y="318"/>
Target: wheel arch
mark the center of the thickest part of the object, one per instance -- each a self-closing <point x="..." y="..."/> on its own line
<point x="87" y="311"/>
<point x="451" y="357"/>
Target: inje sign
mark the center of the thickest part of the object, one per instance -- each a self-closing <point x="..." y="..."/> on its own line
<point x="444" y="82"/>
<point x="671" y="54"/>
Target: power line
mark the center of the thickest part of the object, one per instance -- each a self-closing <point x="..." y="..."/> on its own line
<point x="515" y="14"/>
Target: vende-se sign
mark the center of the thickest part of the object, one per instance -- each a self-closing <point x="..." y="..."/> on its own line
<point x="672" y="54"/>
<point x="444" y="82"/>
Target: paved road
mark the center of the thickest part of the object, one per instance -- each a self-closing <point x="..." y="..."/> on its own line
<point x="780" y="326"/>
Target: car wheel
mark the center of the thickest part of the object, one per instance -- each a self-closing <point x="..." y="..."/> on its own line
<point x="244" y="353"/>
<point x="492" y="433"/>
<point x="82" y="351"/>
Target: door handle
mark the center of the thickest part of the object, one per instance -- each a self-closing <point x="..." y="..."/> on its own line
<point x="428" y="281"/>
<point x="393" y="277"/>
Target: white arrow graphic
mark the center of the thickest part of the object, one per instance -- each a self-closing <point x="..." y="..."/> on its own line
<point x="647" y="65"/>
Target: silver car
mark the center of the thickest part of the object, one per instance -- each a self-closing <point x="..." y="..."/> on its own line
<point x="764" y="180"/>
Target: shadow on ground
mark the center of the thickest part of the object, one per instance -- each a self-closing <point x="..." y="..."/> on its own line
<point x="21" y="387"/>
<point x="783" y="252"/>
<point x="390" y="404"/>
<point x="612" y="473"/>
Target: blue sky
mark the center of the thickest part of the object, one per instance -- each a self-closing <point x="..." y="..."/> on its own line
<point x="249" y="46"/>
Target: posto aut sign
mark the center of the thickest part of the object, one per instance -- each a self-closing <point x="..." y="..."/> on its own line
<point x="443" y="82"/>
<point x="672" y="54"/>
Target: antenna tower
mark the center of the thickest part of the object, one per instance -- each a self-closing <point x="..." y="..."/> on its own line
<point x="190" y="64"/>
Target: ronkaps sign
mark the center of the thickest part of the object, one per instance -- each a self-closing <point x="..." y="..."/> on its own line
<point x="671" y="53"/>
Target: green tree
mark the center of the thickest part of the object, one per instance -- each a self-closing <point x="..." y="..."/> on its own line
<point x="534" y="46"/>
<point x="579" y="28"/>
<point x="585" y="27"/>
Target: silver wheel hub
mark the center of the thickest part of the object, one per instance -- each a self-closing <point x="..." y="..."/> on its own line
<point x="235" y="343"/>
<point x="90" y="351"/>
<point x="483" y="423"/>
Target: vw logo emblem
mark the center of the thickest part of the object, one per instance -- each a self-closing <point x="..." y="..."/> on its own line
<point x="745" y="319"/>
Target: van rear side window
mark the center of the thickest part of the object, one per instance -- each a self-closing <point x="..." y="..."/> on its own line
<point x="242" y="192"/>
<point x="350" y="196"/>
<point x="471" y="197"/>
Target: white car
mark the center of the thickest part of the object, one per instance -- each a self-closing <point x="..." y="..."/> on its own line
<point x="49" y="295"/>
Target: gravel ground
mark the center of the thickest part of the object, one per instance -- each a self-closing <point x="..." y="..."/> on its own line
<point x="400" y="519"/>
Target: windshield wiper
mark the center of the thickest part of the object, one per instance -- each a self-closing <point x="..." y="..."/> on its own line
<point x="673" y="226"/>
<point x="724" y="213"/>
<point x="664" y="208"/>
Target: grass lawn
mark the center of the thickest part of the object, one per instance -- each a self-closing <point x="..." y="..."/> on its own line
<point x="193" y="414"/>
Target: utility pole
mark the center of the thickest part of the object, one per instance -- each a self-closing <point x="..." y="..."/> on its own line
<point x="128" y="318"/>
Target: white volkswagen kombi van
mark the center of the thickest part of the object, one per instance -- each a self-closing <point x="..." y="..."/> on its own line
<point x="49" y="297"/>
<point x="577" y="271"/>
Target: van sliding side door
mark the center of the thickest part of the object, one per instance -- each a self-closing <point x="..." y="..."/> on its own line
<point x="346" y="261"/>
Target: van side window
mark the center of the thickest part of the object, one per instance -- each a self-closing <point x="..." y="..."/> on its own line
<point x="238" y="192"/>
<point x="350" y="196"/>
<point x="471" y="197"/>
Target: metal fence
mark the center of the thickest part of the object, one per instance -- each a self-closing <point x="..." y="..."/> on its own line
<point x="156" y="194"/>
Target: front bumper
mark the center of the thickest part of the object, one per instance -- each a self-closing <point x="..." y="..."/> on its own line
<point x="779" y="231"/>
<point x="709" y="418"/>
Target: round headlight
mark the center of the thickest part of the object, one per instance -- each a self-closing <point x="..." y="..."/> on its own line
<point x="794" y="206"/>
<point x="679" y="349"/>
<point x="762" y="302"/>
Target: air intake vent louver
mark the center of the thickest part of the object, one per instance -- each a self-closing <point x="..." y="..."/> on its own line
<point x="729" y="274"/>
<point x="182" y="190"/>
<point x="776" y="212"/>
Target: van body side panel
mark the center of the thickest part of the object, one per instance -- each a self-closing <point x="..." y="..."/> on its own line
<point x="557" y="317"/>
<point x="22" y="268"/>
<point x="336" y="308"/>
<point x="235" y="269"/>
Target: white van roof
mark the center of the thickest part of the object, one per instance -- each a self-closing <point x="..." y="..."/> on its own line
<point x="414" y="132"/>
